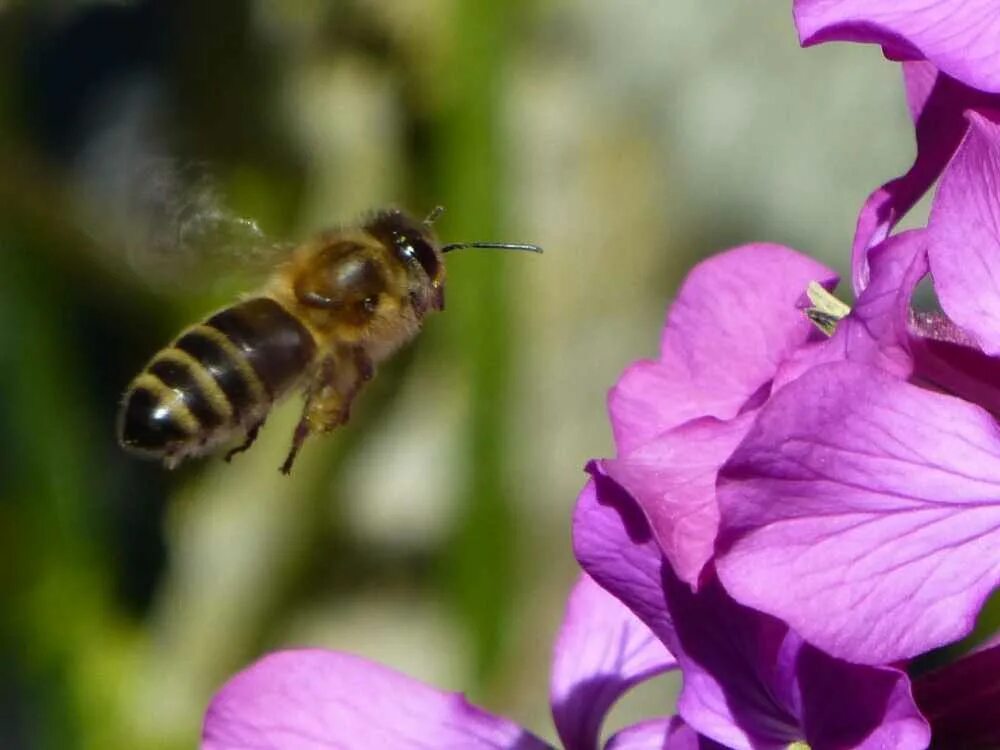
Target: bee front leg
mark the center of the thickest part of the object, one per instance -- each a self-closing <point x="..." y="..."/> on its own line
<point x="329" y="396"/>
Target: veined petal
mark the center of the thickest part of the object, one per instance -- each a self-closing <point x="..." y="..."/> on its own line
<point x="960" y="700"/>
<point x="965" y="232"/>
<point x="661" y="734"/>
<point x="672" y="477"/>
<point x="958" y="37"/>
<point x="883" y="331"/>
<point x="938" y="104"/>
<point x="317" y="700"/>
<point x="864" y="512"/>
<point x="602" y="651"/>
<point x="616" y="547"/>
<point x="877" y="331"/>
<point x="749" y="682"/>
<point x="732" y="324"/>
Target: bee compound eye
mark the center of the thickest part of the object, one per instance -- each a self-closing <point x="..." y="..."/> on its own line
<point x="406" y="251"/>
<point x="370" y="304"/>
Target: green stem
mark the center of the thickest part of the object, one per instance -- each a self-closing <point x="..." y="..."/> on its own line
<point x="481" y="559"/>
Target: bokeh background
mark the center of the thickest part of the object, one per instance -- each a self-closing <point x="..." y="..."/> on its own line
<point x="630" y="138"/>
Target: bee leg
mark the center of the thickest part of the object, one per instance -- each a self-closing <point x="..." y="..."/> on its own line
<point x="304" y="428"/>
<point x="328" y="398"/>
<point x="333" y="407"/>
<point x="251" y="436"/>
<point x="298" y="438"/>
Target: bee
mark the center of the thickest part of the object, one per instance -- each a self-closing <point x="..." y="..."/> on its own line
<point x="343" y="302"/>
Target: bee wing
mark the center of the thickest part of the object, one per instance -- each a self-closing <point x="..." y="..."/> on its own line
<point x="168" y="219"/>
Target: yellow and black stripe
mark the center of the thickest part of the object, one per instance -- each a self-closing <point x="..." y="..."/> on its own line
<point x="216" y="376"/>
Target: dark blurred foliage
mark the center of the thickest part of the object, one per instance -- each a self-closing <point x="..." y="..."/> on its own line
<point x="83" y="524"/>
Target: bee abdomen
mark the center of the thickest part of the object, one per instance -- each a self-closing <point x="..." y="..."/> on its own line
<point x="218" y="376"/>
<point x="274" y="345"/>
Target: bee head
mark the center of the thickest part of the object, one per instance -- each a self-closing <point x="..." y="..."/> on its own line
<point x="414" y="246"/>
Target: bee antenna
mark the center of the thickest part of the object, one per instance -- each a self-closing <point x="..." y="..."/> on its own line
<point x="434" y="215"/>
<point x="492" y="246"/>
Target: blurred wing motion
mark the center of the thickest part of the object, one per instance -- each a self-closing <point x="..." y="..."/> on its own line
<point x="169" y="222"/>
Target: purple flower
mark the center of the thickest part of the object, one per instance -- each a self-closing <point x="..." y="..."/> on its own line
<point x="952" y="64"/>
<point x="865" y="512"/>
<point x="749" y="680"/>
<point x="862" y="509"/>
<point x="677" y="419"/>
<point x="840" y="492"/>
<point x="312" y="699"/>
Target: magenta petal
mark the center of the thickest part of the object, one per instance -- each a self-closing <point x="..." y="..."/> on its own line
<point x="960" y="369"/>
<point x="877" y="332"/>
<point x="661" y="734"/>
<point x="965" y="231"/>
<point x="746" y="665"/>
<point x="651" y="397"/>
<point x="650" y="735"/>
<point x="316" y="700"/>
<point x="961" y="700"/>
<point x="672" y="478"/>
<point x="615" y="546"/>
<point x="602" y="651"/>
<point x="865" y="512"/>
<point x="884" y="332"/>
<point x="715" y="356"/>
<point x="938" y="104"/>
<point x="959" y="37"/>
<point x="748" y="680"/>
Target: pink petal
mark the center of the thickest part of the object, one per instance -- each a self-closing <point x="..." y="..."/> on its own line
<point x="317" y="700"/>
<point x="602" y="651"/>
<point x="877" y="332"/>
<point x="672" y="478"/>
<point x="965" y="232"/>
<point x="959" y="369"/>
<point x="732" y="324"/>
<point x="938" y="104"/>
<point x="959" y="37"/>
<point x="865" y="512"/>
<point x="749" y="682"/>
<point x="883" y="331"/>
<point x="661" y="734"/>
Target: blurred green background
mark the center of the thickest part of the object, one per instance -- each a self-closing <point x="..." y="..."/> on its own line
<point x="629" y="138"/>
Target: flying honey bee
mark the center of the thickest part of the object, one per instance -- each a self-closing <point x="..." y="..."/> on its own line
<point x="342" y="303"/>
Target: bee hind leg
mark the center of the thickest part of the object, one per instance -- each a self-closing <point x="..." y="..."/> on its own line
<point x="328" y="398"/>
<point x="302" y="431"/>
<point x="251" y="437"/>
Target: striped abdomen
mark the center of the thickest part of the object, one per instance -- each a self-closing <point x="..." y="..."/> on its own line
<point x="216" y="379"/>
